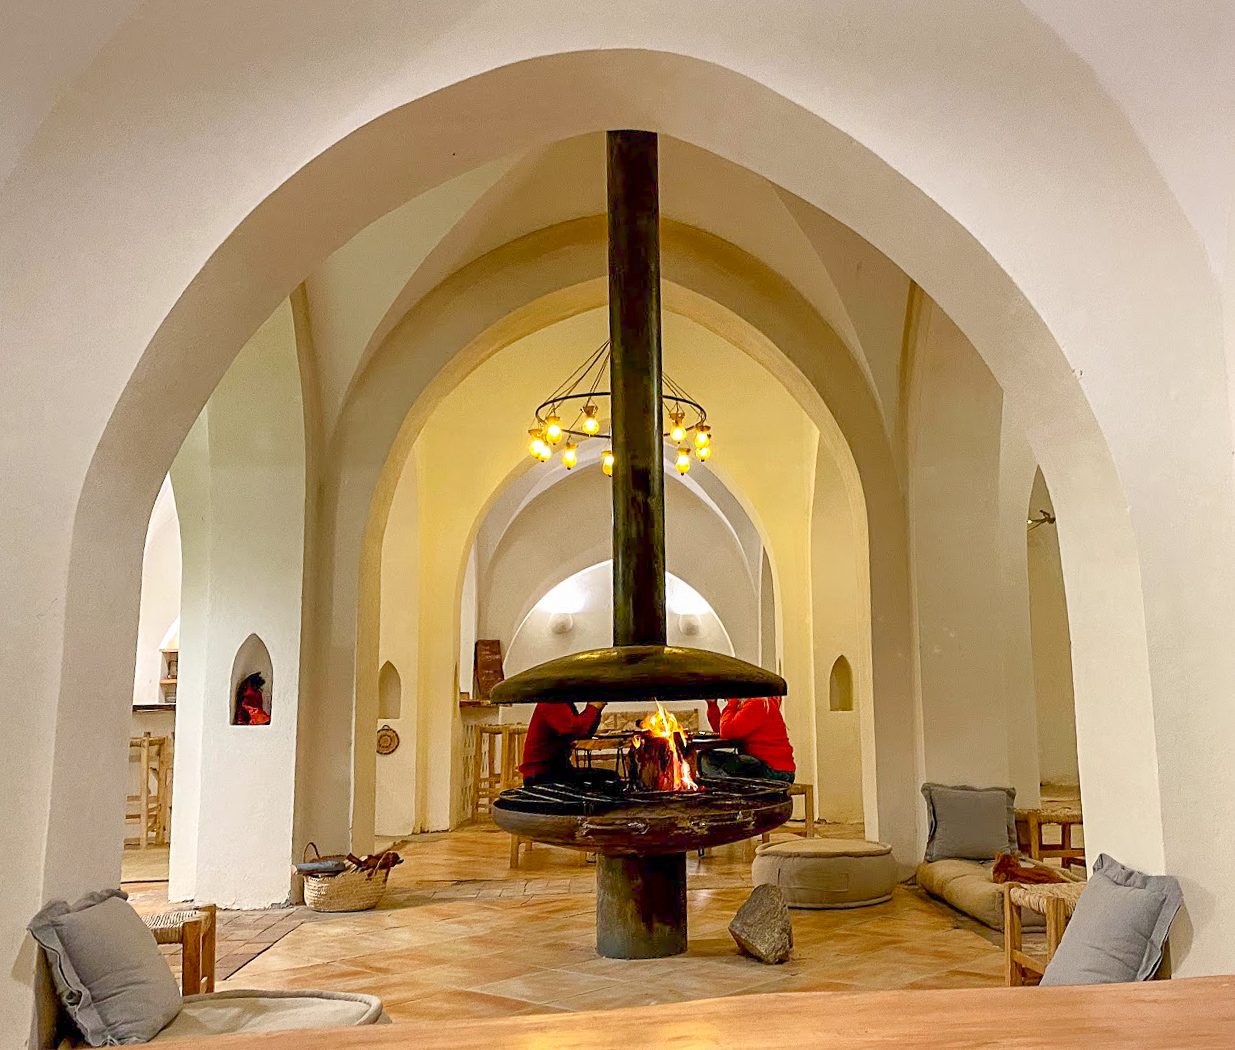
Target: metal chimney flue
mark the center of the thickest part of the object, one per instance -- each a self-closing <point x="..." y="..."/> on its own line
<point x="635" y="382"/>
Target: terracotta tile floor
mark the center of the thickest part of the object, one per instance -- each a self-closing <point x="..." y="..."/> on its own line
<point x="460" y="935"/>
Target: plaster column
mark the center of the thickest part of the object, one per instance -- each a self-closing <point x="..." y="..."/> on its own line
<point x="1017" y="469"/>
<point x="841" y="616"/>
<point x="954" y="443"/>
<point x="395" y="809"/>
<point x="234" y="789"/>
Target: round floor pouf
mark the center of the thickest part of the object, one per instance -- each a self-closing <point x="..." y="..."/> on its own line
<point x="827" y="873"/>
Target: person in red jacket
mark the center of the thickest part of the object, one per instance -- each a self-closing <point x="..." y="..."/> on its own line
<point x="764" y="751"/>
<point x="551" y="737"/>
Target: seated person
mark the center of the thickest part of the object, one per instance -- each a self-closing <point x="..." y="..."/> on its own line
<point x="551" y="737"/>
<point x="764" y="751"/>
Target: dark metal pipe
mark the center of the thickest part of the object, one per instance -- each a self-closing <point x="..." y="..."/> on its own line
<point x="634" y="331"/>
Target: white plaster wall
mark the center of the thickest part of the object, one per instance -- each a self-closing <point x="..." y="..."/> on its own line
<point x="160" y="600"/>
<point x="587" y="597"/>
<point x="242" y="502"/>
<point x="1052" y="648"/>
<point x="569" y="527"/>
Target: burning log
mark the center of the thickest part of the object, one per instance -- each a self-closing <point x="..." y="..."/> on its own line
<point x="659" y="755"/>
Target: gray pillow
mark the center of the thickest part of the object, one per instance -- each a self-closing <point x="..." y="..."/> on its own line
<point x="969" y="823"/>
<point x="1119" y="928"/>
<point x="108" y="970"/>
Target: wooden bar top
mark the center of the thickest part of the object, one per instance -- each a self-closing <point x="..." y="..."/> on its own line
<point x="1186" y="1014"/>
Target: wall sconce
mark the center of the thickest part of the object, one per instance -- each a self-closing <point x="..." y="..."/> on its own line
<point x="1045" y="517"/>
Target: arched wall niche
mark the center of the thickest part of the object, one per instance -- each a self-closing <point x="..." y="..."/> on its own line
<point x="389" y="692"/>
<point x="840" y="686"/>
<point x="252" y="658"/>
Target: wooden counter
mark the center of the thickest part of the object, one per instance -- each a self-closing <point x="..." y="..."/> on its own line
<point x="1196" y="1014"/>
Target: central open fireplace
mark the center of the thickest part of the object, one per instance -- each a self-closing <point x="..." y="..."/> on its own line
<point x="641" y="824"/>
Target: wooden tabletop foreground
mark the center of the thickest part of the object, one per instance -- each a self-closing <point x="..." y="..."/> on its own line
<point x="1187" y="1014"/>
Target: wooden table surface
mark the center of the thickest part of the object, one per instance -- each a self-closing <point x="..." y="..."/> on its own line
<point x="1195" y="1014"/>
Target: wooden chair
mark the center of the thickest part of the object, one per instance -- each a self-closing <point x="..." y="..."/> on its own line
<point x="1066" y="817"/>
<point x="1056" y="901"/>
<point x="151" y="806"/>
<point x="195" y="931"/>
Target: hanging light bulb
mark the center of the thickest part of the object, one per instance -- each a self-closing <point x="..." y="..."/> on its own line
<point x="546" y="451"/>
<point x="678" y="433"/>
<point x="703" y="434"/>
<point x="536" y="442"/>
<point x="683" y="461"/>
<point x="570" y="455"/>
<point x="591" y="425"/>
<point x="606" y="462"/>
<point x="553" y="429"/>
<point x="703" y="452"/>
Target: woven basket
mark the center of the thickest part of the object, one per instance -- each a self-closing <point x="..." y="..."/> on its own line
<point x="347" y="891"/>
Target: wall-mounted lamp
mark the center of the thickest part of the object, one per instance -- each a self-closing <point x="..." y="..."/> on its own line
<point x="1044" y="517"/>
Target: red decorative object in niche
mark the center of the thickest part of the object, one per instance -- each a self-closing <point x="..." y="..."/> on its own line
<point x="250" y="705"/>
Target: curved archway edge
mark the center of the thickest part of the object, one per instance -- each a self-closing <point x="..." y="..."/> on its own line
<point x="128" y="445"/>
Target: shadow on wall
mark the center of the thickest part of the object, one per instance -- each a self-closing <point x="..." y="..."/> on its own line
<point x="252" y="684"/>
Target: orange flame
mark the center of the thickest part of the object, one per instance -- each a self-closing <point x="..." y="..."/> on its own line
<point x="673" y="774"/>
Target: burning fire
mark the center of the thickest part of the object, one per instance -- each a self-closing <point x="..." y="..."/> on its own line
<point x="658" y="754"/>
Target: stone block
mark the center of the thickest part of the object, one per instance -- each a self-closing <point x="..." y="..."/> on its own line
<point x="762" y="927"/>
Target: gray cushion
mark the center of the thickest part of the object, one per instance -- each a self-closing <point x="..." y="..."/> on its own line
<point x="1118" y="929"/>
<point x="969" y="823"/>
<point x="242" y="1010"/>
<point x="108" y="970"/>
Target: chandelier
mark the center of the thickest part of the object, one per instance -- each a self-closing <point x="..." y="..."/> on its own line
<point x="572" y="415"/>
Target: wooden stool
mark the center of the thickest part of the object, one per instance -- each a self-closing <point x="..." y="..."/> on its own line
<point x="194" y="931"/>
<point x="1066" y="817"/>
<point x="153" y="798"/>
<point x="807" y="791"/>
<point x="1056" y="901"/>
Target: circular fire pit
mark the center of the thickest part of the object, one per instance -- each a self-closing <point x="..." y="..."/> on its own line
<point x="641" y="838"/>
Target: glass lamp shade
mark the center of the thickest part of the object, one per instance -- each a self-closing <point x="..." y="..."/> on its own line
<point x="570" y="456"/>
<point x="703" y="434"/>
<point x="683" y="461"/>
<point x="606" y="462"/>
<point x="703" y="452"/>
<point x="553" y="430"/>
<point x="591" y="425"/>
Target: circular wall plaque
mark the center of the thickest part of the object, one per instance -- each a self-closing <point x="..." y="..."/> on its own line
<point x="387" y="741"/>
